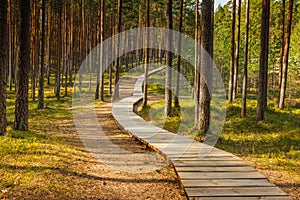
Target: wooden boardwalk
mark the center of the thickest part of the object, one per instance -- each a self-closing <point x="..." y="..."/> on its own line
<point x="204" y="172"/>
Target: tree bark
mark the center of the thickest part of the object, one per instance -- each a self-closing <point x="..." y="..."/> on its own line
<point x="146" y="54"/>
<point x="119" y="28"/>
<point x="48" y="36"/>
<point x="59" y="52"/>
<point x="286" y="56"/>
<point x="176" y="97"/>
<point x="99" y="69"/>
<point x="231" y="75"/>
<point x="263" y="66"/>
<point x="196" y="69"/>
<point x="168" y="85"/>
<point x="103" y="49"/>
<point x="206" y="67"/>
<point x="42" y="68"/>
<point x="3" y="64"/>
<point x="245" y="79"/>
<point x="237" y="53"/>
<point x="21" y="106"/>
<point x="282" y="44"/>
<point x="9" y="37"/>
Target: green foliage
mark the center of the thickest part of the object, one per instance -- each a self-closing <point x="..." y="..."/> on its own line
<point x="222" y="31"/>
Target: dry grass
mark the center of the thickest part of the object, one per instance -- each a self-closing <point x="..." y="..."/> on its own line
<point x="50" y="162"/>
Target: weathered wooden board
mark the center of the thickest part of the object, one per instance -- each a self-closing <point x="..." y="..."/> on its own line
<point x="219" y="175"/>
<point x="215" y="169"/>
<point x="243" y="198"/>
<point x="226" y="183"/>
<point x="206" y="163"/>
<point x="234" y="191"/>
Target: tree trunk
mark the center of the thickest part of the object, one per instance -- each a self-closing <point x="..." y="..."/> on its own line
<point x="263" y="65"/>
<point x="9" y="37"/>
<point x="286" y="56"/>
<point x="231" y="75"/>
<point x="245" y="79"/>
<point x="97" y="93"/>
<point x="21" y="106"/>
<point x="42" y="68"/>
<point x="197" y="72"/>
<point x="59" y="52"/>
<point x="102" y="50"/>
<point x="3" y="64"/>
<point x="147" y="54"/>
<point x="34" y="51"/>
<point x="176" y="97"/>
<point x="116" y="92"/>
<point x="282" y="43"/>
<point x="47" y="51"/>
<point x="168" y="85"/>
<point x="206" y="67"/>
<point x="237" y="53"/>
<point x="71" y="49"/>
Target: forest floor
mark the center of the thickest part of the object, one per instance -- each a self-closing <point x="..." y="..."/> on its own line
<point x="50" y="161"/>
<point x="271" y="146"/>
<point x="276" y="156"/>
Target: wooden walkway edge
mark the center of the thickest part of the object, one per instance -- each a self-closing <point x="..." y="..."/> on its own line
<point x="204" y="172"/>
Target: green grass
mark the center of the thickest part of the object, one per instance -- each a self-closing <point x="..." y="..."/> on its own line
<point x="273" y="144"/>
<point x="35" y="161"/>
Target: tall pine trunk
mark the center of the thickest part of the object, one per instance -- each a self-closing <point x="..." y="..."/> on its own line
<point x="48" y="35"/>
<point x="168" y="84"/>
<point x="282" y="44"/>
<point x="146" y="54"/>
<point x="245" y="79"/>
<point x="263" y="65"/>
<point x="42" y="68"/>
<point x="119" y="28"/>
<point x="196" y="69"/>
<point x="286" y="56"/>
<point x="237" y="53"/>
<point x="102" y="37"/>
<point x="206" y="66"/>
<point x="97" y="92"/>
<point x="3" y="64"/>
<point x="176" y="97"/>
<point x="21" y="105"/>
<point x="231" y="74"/>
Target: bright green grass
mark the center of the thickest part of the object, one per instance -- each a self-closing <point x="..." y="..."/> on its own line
<point x="273" y="144"/>
<point x="36" y="159"/>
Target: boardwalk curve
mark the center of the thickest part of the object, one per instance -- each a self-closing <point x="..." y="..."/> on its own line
<point x="203" y="171"/>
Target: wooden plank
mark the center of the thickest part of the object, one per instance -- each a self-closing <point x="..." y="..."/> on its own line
<point x="215" y="169"/>
<point x="206" y="163"/>
<point x="243" y="198"/>
<point x="219" y="158"/>
<point x="234" y="191"/>
<point x="226" y="183"/>
<point x="219" y="175"/>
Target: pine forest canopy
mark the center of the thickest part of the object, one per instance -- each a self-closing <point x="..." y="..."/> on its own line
<point x="71" y="29"/>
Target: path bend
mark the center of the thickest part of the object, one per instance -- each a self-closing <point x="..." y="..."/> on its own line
<point x="205" y="172"/>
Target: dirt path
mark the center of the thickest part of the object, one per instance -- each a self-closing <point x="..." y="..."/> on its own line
<point x="159" y="184"/>
<point x="117" y="184"/>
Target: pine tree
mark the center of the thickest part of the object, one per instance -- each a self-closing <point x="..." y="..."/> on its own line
<point x="21" y="106"/>
<point x="263" y="65"/>
<point x="3" y="64"/>
<point x="206" y="66"/>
